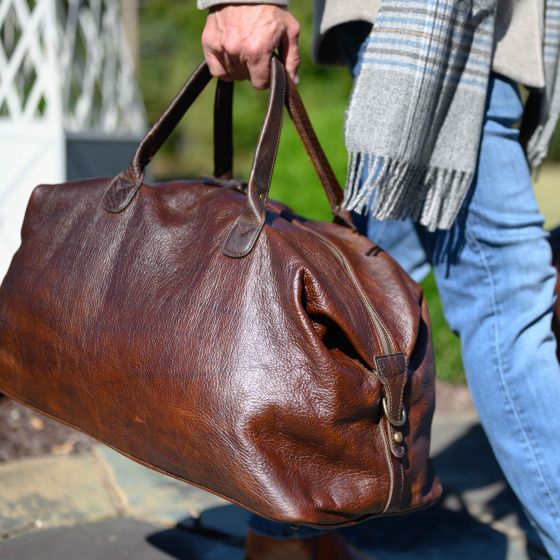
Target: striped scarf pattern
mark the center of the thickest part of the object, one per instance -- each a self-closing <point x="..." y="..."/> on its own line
<point x="414" y="123"/>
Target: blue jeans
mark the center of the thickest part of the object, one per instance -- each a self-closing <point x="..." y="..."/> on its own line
<point x="496" y="282"/>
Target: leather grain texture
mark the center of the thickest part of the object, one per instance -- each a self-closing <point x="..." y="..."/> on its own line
<point x="279" y="380"/>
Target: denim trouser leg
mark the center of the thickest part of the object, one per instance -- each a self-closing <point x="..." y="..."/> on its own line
<point x="496" y="282"/>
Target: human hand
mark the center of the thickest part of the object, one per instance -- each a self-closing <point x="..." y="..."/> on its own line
<point x="239" y="39"/>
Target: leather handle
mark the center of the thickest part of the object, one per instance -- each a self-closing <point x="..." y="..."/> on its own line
<point x="223" y="131"/>
<point x="298" y="114"/>
<point x="331" y="186"/>
<point x="247" y="227"/>
<point x="125" y="185"/>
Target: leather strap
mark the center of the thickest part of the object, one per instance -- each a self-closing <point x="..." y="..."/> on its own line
<point x="298" y="114"/>
<point x="223" y="131"/>
<point x="125" y="185"/>
<point x="248" y="226"/>
<point x="301" y="121"/>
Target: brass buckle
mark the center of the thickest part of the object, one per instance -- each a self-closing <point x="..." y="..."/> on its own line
<point x="395" y="423"/>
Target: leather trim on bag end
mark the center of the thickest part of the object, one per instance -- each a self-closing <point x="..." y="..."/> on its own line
<point x="392" y="371"/>
<point x="242" y="237"/>
<point x="122" y="190"/>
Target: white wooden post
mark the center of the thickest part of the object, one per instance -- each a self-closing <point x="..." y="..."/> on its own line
<point x="69" y="103"/>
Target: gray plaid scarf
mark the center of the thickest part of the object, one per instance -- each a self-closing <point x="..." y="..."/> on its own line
<point x="414" y="124"/>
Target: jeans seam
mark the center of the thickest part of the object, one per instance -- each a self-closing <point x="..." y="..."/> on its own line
<point x="527" y="441"/>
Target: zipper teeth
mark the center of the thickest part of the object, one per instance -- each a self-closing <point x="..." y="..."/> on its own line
<point x="389" y="465"/>
<point x="386" y="340"/>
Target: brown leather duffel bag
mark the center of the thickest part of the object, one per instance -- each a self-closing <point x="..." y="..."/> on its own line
<point x="219" y="338"/>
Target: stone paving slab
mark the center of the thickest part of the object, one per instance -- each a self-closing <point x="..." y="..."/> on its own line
<point x="50" y="492"/>
<point x="448" y="429"/>
<point x="473" y="480"/>
<point x="153" y="496"/>
<point x="117" y="539"/>
<point x="478" y="518"/>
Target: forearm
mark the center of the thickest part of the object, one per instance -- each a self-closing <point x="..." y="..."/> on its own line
<point x="204" y="4"/>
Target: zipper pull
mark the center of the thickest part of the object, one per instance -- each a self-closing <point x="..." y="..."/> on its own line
<point x="392" y="372"/>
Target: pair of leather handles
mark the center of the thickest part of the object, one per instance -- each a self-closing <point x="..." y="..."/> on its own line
<point x="248" y="226"/>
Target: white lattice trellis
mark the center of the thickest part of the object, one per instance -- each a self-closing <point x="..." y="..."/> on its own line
<point x="77" y="44"/>
<point x="69" y="102"/>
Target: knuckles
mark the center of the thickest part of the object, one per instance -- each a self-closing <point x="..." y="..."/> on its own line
<point x="210" y="40"/>
<point x="260" y="84"/>
<point x="257" y="49"/>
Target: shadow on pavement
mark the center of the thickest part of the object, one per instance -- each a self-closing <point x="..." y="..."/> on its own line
<point x="472" y="478"/>
<point x="475" y="491"/>
<point x="192" y="544"/>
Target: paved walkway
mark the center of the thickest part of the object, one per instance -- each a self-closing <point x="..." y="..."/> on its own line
<point x="102" y="506"/>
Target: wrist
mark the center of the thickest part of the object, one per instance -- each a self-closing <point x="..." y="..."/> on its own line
<point x="214" y="5"/>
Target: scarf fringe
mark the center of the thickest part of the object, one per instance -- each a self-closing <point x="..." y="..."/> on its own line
<point x="390" y="189"/>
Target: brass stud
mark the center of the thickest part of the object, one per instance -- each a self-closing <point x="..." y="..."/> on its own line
<point x="398" y="437"/>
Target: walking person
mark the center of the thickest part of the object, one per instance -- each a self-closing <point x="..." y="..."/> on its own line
<point x="439" y="177"/>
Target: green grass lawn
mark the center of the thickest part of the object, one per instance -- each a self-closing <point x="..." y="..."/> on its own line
<point x="170" y="50"/>
<point x="547" y="189"/>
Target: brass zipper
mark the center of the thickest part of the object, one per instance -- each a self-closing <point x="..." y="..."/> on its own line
<point x="386" y="340"/>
